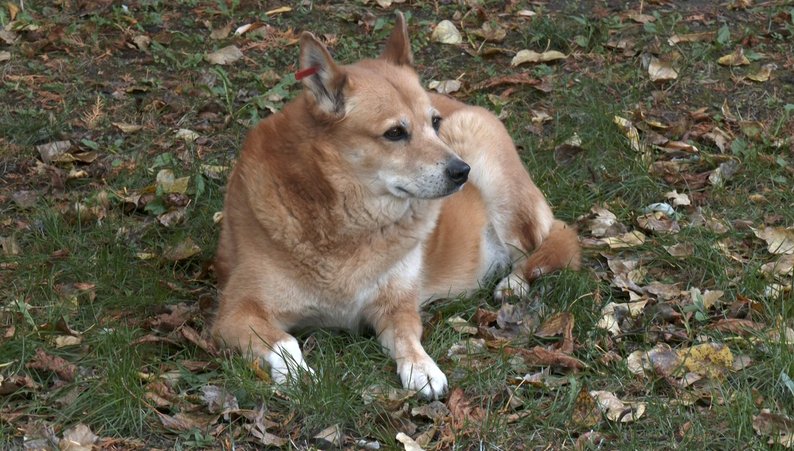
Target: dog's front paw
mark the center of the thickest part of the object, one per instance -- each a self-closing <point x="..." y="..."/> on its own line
<point x="423" y="376"/>
<point x="512" y="285"/>
<point x="286" y="362"/>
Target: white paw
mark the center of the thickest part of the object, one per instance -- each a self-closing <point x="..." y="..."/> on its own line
<point x="423" y="376"/>
<point x="512" y="285"/>
<point x="286" y="361"/>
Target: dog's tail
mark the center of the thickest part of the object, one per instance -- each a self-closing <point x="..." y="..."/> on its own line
<point x="559" y="250"/>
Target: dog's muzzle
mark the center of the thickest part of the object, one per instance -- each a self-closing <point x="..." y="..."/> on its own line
<point x="457" y="171"/>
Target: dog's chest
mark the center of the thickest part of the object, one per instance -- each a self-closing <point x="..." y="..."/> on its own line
<point x="366" y="291"/>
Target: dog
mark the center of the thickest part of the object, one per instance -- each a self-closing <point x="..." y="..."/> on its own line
<point x="364" y="197"/>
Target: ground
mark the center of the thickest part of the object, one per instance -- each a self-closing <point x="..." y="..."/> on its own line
<point x="662" y="129"/>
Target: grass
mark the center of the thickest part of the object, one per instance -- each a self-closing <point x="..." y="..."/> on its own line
<point x="86" y="258"/>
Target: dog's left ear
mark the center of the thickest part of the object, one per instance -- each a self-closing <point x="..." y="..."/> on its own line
<point x="323" y="78"/>
<point x="398" y="47"/>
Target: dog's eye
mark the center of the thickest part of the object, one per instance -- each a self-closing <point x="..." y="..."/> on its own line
<point x="436" y="123"/>
<point x="396" y="133"/>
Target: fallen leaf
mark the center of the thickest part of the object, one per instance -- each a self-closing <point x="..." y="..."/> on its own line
<point x="691" y="37"/>
<point x="658" y="222"/>
<point x="182" y="250"/>
<point x="78" y="438"/>
<point x="194" y="337"/>
<point x="51" y="151"/>
<point x="736" y="326"/>
<point x="531" y="56"/>
<point x="54" y="364"/>
<point x="585" y="412"/>
<point x="681" y="249"/>
<point x="779" y="428"/>
<point x="604" y="223"/>
<point x="639" y="17"/>
<point x="221" y="33"/>
<point x="779" y="240"/>
<point x="219" y="400"/>
<point x="435" y="410"/>
<point x="781" y="266"/>
<point x="736" y="58"/>
<point x="444" y="87"/>
<point x="490" y="31"/>
<point x="279" y="10"/>
<point x="660" y="360"/>
<point x="559" y="324"/>
<point x="225" y="56"/>
<point x="5" y="55"/>
<point x="408" y="443"/>
<point x="462" y="413"/>
<point x="678" y="198"/>
<point x="763" y="74"/>
<point x="9" y="245"/>
<point x="539" y="356"/>
<point x="661" y="70"/>
<point x="626" y="240"/>
<point x="462" y="326"/>
<point x="187" y="421"/>
<point x="712" y="360"/>
<point x="615" y="409"/>
<point x="62" y="341"/>
<point x="127" y="128"/>
<point x="187" y="135"/>
<point x="330" y="437"/>
<point x="446" y="33"/>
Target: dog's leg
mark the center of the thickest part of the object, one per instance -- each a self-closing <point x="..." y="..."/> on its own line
<point x="396" y="321"/>
<point x="517" y="209"/>
<point x="249" y="327"/>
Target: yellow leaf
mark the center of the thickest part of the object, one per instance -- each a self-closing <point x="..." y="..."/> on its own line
<point x="712" y="360"/>
<point x="736" y="58"/>
<point x="763" y="74"/>
<point x="13" y="10"/>
<point x="280" y="10"/>
<point x="691" y="37"/>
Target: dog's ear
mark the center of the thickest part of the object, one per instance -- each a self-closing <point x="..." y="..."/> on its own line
<point x="321" y="76"/>
<point x="398" y="47"/>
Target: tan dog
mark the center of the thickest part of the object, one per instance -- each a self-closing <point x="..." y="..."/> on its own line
<point x="350" y="207"/>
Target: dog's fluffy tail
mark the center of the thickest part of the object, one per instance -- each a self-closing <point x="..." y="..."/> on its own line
<point x="559" y="250"/>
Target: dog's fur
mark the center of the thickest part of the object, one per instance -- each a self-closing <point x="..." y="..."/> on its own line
<point x="328" y="222"/>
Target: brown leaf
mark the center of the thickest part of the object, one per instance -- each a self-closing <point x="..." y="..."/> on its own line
<point x="45" y="362"/>
<point x="194" y="337"/>
<point x="218" y="400"/>
<point x="779" y="428"/>
<point x="187" y="421"/>
<point x="182" y="250"/>
<point x="15" y="383"/>
<point x="585" y="412"/>
<point x="524" y="78"/>
<point x="540" y="356"/>
<point x="177" y="315"/>
<point x="461" y="411"/>
<point x="559" y="324"/>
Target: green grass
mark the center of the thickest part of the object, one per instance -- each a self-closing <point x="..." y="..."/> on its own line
<point x="103" y="272"/>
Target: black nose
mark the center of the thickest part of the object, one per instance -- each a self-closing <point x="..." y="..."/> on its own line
<point x="458" y="171"/>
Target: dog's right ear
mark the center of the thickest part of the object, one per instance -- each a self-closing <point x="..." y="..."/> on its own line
<point x="398" y="47"/>
<point x="321" y="76"/>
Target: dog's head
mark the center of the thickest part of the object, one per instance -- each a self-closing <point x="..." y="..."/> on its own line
<point x="376" y="114"/>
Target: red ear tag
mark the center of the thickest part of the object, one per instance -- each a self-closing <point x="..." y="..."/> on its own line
<point x="308" y="72"/>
